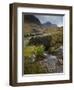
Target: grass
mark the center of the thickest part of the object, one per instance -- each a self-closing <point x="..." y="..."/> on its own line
<point x="32" y="68"/>
<point x="28" y="50"/>
<point x="37" y="50"/>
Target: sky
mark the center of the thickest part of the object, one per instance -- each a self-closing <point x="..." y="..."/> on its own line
<point x="54" y="19"/>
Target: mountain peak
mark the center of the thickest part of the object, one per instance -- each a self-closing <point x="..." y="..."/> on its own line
<point x="49" y="24"/>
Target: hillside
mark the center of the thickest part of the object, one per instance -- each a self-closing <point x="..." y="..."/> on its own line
<point x="33" y="26"/>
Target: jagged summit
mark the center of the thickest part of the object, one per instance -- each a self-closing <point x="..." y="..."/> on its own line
<point x="49" y="24"/>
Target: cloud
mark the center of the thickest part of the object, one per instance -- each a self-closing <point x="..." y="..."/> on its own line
<point x="54" y="19"/>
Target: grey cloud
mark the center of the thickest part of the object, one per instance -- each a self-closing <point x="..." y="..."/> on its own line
<point x="54" y="19"/>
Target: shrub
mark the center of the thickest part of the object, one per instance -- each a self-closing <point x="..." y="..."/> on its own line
<point x="56" y="38"/>
<point x="56" y="41"/>
<point x="39" y="50"/>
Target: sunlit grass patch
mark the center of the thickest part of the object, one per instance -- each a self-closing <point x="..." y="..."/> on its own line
<point x="37" y="50"/>
<point x="29" y="50"/>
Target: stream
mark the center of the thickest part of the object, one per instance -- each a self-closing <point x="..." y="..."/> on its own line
<point x="54" y="63"/>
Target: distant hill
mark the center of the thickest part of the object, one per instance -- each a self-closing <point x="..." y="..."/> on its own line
<point x="49" y="24"/>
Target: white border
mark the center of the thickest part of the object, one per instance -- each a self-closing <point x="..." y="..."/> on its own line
<point x="44" y="77"/>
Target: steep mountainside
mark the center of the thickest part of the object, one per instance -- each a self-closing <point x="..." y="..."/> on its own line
<point x="33" y="25"/>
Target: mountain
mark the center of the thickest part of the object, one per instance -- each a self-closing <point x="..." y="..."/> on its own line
<point x="32" y="24"/>
<point x="31" y="19"/>
<point x="49" y="24"/>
